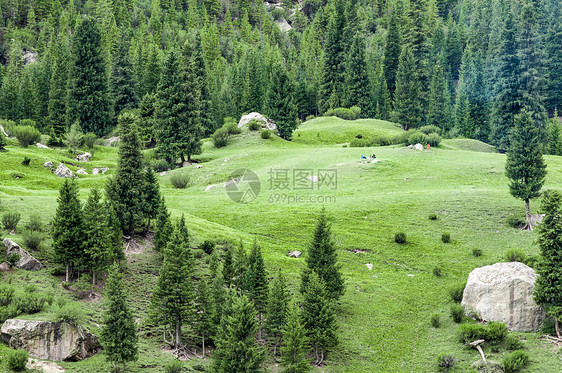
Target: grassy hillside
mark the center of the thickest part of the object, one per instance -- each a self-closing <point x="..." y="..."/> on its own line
<point x="385" y="314"/>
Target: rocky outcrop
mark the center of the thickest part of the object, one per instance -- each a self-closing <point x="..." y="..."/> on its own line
<point x="295" y="253"/>
<point x="504" y="292"/>
<point x="268" y="122"/>
<point x="42" y="146"/>
<point x="50" y="340"/>
<point x="84" y="157"/>
<point x="63" y="171"/>
<point x="81" y="172"/>
<point x="44" y="366"/>
<point x="26" y="260"/>
<point x="98" y="170"/>
<point x="48" y="164"/>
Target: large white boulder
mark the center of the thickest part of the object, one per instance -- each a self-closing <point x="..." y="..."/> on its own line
<point x="257" y="116"/>
<point x="504" y="292"/>
<point x="26" y="261"/>
<point x="63" y="171"/>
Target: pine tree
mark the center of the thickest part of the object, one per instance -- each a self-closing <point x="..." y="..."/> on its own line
<point x="453" y="48"/>
<point x="255" y="280"/>
<point x="152" y="70"/>
<point x="553" y="63"/>
<point x="200" y="72"/>
<point x="280" y="101"/>
<point x="27" y="95"/>
<point x="58" y="93"/>
<point x="548" y="285"/>
<point x="172" y="300"/>
<point x="322" y="258"/>
<point x="293" y="351"/>
<point x="406" y="97"/>
<point x="318" y="317"/>
<point x="240" y="264"/>
<point x="119" y="331"/>
<point x="276" y="311"/>
<point x="88" y="96"/>
<point x="124" y="190"/>
<point x="123" y="80"/>
<point x="524" y="165"/>
<point x="114" y="235"/>
<point x="237" y="349"/>
<point x="147" y="122"/>
<point x="227" y="268"/>
<point x="392" y="51"/>
<point x="357" y="85"/>
<point x="164" y="228"/>
<point x="97" y="246"/>
<point x="68" y="234"/>
<point x="150" y="196"/>
<point x="205" y="312"/>
<point x="439" y="105"/>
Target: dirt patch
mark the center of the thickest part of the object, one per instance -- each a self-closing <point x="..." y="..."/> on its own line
<point x="358" y="251"/>
<point x="139" y="244"/>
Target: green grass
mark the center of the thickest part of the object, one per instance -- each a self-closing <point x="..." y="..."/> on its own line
<point x="470" y="145"/>
<point x="385" y="314"/>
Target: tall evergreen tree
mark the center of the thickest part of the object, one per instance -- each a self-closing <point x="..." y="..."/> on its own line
<point x="89" y="101"/>
<point x="293" y="351"/>
<point x="280" y="101"/>
<point x="439" y="112"/>
<point x="407" y="107"/>
<point x="554" y="60"/>
<point x="524" y="165"/>
<point x="276" y="311"/>
<point x="58" y="93"/>
<point x="68" y="234"/>
<point x="152" y="71"/>
<point x="392" y="51"/>
<point x="163" y="229"/>
<point x="228" y="268"/>
<point x="357" y="85"/>
<point x="119" y="331"/>
<point x="205" y="312"/>
<point x="147" y="120"/>
<point x="150" y="196"/>
<point x="200" y="72"/>
<point x="123" y="80"/>
<point x="97" y="246"/>
<point x="255" y="280"/>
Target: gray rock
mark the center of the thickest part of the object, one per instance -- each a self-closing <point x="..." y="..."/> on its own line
<point x="48" y="164"/>
<point x="504" y="292"/>
<point x="163" y="173"/>
<point x="63" y="171"/>
<point x="113" y="141"/>
<point x="283" y="25"/>
<point x="268" y="122"/>
<point x="418" y="147"/>
<point x="26" y="261"/>
<point x="84" y="157"/>
<point x="44" y="366"/>
<point x="39" y="145"/>
<point x="295" y="253"/>
<point x="50" y="340"/>
<point x="81" y="172"/>
<point x="97" y="170"/>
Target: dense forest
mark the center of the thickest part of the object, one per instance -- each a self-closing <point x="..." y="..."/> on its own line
<point x="182" y="67"/>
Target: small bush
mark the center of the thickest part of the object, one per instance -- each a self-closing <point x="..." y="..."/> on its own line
<point x="358" y="143"/>
<point x="175" y="366"/>
<point x="433" y="139"/>
<point x="6" y="295"/>
<point x="25" y="161"/>
<point x="255" y="125"/>
<point x="446" y="237"/>
<point x="34" y="224"/>
<point x="70" y="313"/>
<point x="532" y="261"/>
<point x="90" y="140"/>
<point x="515" y="361"/>
<point x="400" y="237"/>
<point x="220" y="138"/>
<point x="515" y="255"/>
<point x="430" y="129"/>
<point x="456" y="292"/>
<point x="457" y="312"/>
<point x="26" y="135"/>
<point x="208" y="246"/>
<point x="496" y="331"/>
<point x="13" y="259"/>
<point x="446" y="362"/>
<point x="435" y="320"/>
<point x="30" y="303"/>
<point x="356" y="110"/>
<point x="179" y="180"/>
<point x="477" y="252"/>
<point x="548" y="326"/>
<point x="159" y="165"/>
<point x="342" y="113"/>
<point x="10" y="220"/>
<point x="432" y="217"/>
<point x="265" y="134"/>
<point x="232" y="128"/>
<point x="437" y="271"/>
<point x="16" y="360"/>
<point x="3" y="141"/>
<point x="28" y="122"/>
<point x="309" y="117"/>
<point x="515" y="221"/>
<point x="417" y="138"/>
<point x="513" y="343"/>
<point x="32" y="240"/>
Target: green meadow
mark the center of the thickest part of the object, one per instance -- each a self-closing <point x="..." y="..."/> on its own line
<point x="384" y="316"/>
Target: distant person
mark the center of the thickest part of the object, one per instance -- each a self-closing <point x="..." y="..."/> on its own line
<point x="374" y="156"/>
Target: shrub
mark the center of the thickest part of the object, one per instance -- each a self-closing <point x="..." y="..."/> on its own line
<point x="90" y="140"/>
<point x="74" y="138"/>
<point x="28" y="122"/>
<point x="25" y="161"/>
<point x="515" y="361"/>
<point x="265" y="134"/>
<point x="515" y="255"/>
<point x="358" y="143"/>
<point x="417" y="138"/>
<point x="342" y="113"/>
<point x="356" y="110"/>
<point x="208" y="246"/>
<point x="496" y="331"/>
<point x="430" y="129"/>
<point x="54" y="140"/>
<point x="17" y="359"/>
<point x="457" y="312"/>
<point x="515" y="221"/>
<point x="8" y="125"/>
<point x="11" y="219"/>
<point x="446" y="362"/>
<point x="548" y="326"/>
<point x="13" y="259"/>
<point x="159" y="165"/>
<point x="232" y="128"/>
<point x="26" y="135"/>
<point x="3" y="141"/>
<point x="446" y="237"/>
<point x="175" y="366"/>
<point x="309" y="117"/>
<point x="29" y="303"/>
<point x="255" y="125"/>
<point x="34" y="223"/>
<point x="456" y="292"/>
<point x="179" y="180"/>
<point x="400" y="237"/>
<point x="437" y="271"/>
<point x="513" y="343"/>
<point x="477" y="252"/>
<point x="220" y="138"/>
<point x="434" y="139"/>
<point x="278" y="13"/>
<point x="435" y="320"/>
<point x="32" y="240"/>
<point x="472" y="332"/>
<point x="532" y="261"/>
<point x="70" y="313"/>
<point x="6" y="295"/>
<point x="432" y="217"/>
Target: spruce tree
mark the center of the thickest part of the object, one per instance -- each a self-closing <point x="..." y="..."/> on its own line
<point x="293" y="351"/>
<point x="147" y="122"/>
<point x="276" y="311"/>
<point x="124" y="190"/>
<point x="322" y="258"/>
<point x="172" y="300"/>
<point x="228" y="268"/>
<point x="97" y="246"/>
<point x="68" y="234"/>
<point x="114" y="234"/>
<point x="553" y="64"/>
<point x="123" y="80"/>
<point x="89" y="101"/>
<point x="200" y="72"/>
<point x="439" y="106"/>
<point x="280" y="101"/>
<point x="524" y="165"/>
<point x="240" y="264"/>
<point x="163" y="229"/>
<point x="152" y="70"/>
<point x="119" y="331"/>
<point x="205" y="312"/>
<point x="236" y="347"/>
<point x="453" y="48"/>
<point x="548" y="285"/>
<point x="392" y="51"/>
<point x="255" y="280"/>
<point x="357" y="85"/>
<point x="150" y="196"/>
<point x="407" y="107"/>
<point x="318" y="317"/>
<point x="58" y="93"/>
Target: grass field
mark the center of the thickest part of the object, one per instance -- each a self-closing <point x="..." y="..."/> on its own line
<point x="384" y="316"/>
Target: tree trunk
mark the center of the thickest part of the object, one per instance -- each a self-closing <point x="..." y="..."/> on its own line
<point x="67" y="272"/>
<point x="182" y="159"/>
<point x="557" y="327"/>
<point x="203" y="346"/>
<point x="94" y="278"/>
<point x="189" y="158"/>
<point x="178" y="333"/>
<point x="528" y="224"/>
